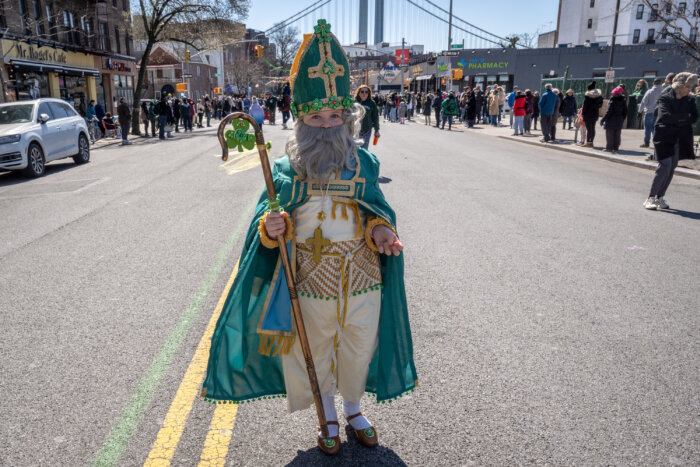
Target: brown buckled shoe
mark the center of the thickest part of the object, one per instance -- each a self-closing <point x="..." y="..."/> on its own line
<point x="367" y="436"/>
<point x="329" y="446"/>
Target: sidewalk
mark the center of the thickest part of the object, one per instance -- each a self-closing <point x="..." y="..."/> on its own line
<point x="630" y="153"/>
<point x="140" y="139"/>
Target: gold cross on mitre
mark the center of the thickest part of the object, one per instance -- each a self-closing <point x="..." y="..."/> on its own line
<point x="317" y="243"/>
<point x="327" y="68"/>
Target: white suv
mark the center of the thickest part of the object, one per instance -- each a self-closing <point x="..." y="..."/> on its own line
<point x="33" y="133"/>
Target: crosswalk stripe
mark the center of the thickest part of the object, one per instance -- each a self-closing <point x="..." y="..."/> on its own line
<point x="169" y="435"/>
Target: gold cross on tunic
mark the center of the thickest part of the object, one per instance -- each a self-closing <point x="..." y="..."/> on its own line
<point x="317" y="243"/>
<point x="329" y="74"/>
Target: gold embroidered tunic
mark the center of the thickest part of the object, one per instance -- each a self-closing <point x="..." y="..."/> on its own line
<point x="340" y="298"/>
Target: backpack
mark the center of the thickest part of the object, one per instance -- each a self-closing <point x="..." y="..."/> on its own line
<point x="579" y="119"/>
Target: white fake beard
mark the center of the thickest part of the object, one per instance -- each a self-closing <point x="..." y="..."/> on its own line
<point x="318" y="153"/>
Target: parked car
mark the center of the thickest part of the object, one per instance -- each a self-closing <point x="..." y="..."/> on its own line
<point x="35" y="132"/>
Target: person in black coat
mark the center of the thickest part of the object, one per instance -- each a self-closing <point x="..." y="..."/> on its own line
<point x="613" y="118"/>
<point x="568" y="109"/>
<point x="479" y="102"/>
<point x="592" y="102"/>
<point x="676" y="113"/>
<point x="471" y="109"/>
<point x="437" y="105"/>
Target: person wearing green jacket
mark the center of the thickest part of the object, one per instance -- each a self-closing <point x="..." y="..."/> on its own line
<point x="363" y="96"/>
<point x="449" y="110"/>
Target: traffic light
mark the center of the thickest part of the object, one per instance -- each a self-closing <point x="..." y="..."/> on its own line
<point x="187" y="55"/>
<point x="259" y="51"/>
<point x="457" y="74"/>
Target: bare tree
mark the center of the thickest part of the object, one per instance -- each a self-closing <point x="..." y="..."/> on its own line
<point x="159" y="23"/>
<point x="245" y="72"/>
<point x="512" y="42"/>
<point x="287" y="42"/>
<point x="680" y="24"/>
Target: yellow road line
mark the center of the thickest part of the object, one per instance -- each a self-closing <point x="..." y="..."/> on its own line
<point x="219" y="437"/>
<point x="169" y="435"/>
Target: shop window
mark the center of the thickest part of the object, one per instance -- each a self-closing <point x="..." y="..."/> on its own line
<point x="635" y="36"/>
<point x="26" y="85"/>
<point x="640" y="11"/>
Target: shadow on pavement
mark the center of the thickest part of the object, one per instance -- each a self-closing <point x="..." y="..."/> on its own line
<point x="383" y="179"/>
<point x="351" y="453"/>
<point x="678" y="212"/>
<point x="15" y="177"/>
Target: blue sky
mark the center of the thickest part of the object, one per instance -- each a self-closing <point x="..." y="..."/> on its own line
<point x="503" y="17"/>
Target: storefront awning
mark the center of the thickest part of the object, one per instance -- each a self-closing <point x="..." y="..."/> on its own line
<point x="42" y="67"/>
<point x="424" y="77"/>
<point x="26" y="65"/>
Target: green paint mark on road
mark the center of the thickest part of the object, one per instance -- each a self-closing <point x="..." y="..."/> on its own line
<point x="123" y="429"/>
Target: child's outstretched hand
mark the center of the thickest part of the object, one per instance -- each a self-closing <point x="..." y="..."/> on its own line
<point x="386" y="240"/>
<point x="274" y="224"/>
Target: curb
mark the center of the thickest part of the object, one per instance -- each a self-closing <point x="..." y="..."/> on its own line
<point x="137" y="140"/>
<point x="620" y="160"/>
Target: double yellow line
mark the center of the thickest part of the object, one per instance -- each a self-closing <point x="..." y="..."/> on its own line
<point x="221" y="427"/>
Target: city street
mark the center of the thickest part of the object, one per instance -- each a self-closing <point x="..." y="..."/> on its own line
<point x="555" y="321"/>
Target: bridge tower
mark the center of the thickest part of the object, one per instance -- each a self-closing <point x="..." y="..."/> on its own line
<point x="378" y="21"/>
<point x="363" y="20"/>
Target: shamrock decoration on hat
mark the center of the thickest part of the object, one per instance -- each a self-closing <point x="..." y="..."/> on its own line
<point x="320" y="78"/>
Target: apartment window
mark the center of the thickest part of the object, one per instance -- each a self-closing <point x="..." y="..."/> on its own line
<point x="693" y="36"/>
<point x="125" y="5"/>
<point x="38" y="23"/>
<point x="640" y="11"/>
<point x="592" y="3"/>
<point x="23" y="16"/>
<point x="114" y="3"/>
<point x="116" y="39"/>
<point x="590" y="23"/>
<point x="127" y="44"/>
<point x="650" y="34"/>
<point x="668" y="8"/>
<point x="51" y="19"/>
<point x="664" y="32"/>
<point x="654" y="15"/>
<point x="103" y="36"/>
<point x="635" y="36"/>
<point x="159" y="73"/>
<point x="198" y="71"/>
<point x="697" y="8"/>
<point x="681" y="8"/>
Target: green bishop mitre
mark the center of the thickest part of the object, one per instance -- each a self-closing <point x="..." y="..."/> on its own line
<point x="320" y="74"/>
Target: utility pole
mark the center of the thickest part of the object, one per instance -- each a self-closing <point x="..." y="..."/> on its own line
<point x="612" y="47"/>
<point x="403" y="42"/>
<point x="449" y="47"/>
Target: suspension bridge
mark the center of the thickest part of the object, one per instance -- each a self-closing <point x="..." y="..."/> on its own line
<point x="419" y="22"/>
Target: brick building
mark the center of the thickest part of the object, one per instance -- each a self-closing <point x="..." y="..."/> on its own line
<point x="75" y="50"/>
<point x="166" y="68"/>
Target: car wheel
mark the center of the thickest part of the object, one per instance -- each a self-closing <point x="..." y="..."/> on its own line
<point x="36" y="166"/>
<point x="83" y="156"/>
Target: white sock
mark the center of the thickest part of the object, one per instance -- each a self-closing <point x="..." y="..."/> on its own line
<point x="328" y="400"/>
<point x="359" y="422"/>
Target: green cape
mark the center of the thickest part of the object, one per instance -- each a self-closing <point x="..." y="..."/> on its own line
<point x="237" y="371"/>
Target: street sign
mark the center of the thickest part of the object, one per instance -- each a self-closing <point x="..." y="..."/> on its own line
<point x="450" y="53"/>
<point x="457" y="46"/>
<point x="187" y="75"/>
<point x="609" y="76"/>
<point x="217" y="75"/>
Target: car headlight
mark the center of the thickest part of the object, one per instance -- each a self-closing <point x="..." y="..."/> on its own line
<point x="10" y="139"/>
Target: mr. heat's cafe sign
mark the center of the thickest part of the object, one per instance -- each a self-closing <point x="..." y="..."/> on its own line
<point x="44" y="54"/>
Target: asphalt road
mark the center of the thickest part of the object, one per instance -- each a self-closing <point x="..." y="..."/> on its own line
<point x="555" y="321"/>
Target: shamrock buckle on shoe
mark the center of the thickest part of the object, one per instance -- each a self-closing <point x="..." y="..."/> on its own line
<point x="366" y="436"/>
<point x="331" y="445"/>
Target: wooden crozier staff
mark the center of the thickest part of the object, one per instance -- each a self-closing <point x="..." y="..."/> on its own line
<point x="245" y="140"/>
